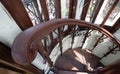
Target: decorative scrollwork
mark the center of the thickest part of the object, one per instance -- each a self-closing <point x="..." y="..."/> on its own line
<point x="33" y="11"/>
<point x="51" y="8"/>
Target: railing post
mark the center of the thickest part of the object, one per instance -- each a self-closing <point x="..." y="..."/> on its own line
<point x="85" y="9"/>
<point x="18" y="12"/>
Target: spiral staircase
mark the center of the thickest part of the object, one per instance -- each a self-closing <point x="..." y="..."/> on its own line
<point x="57" y="43"/>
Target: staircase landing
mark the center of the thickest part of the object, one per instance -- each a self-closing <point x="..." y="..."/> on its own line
<point x="77" y="60"/>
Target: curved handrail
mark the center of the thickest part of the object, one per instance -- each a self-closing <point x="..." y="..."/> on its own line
<point x="26" y="44"/>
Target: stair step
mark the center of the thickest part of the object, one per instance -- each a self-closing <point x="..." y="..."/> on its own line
<point x="78" y="60"/>
<point x="71" y="72"/>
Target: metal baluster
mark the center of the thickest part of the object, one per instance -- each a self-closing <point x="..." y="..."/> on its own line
<point x="44" y="54"/>
<point x="60" y="39"/>
<point x="84" y="39"/>
<point x="73" y="35"/>
<point x="45" y="43"/>
<point x="98" y="40"/>
<point x="51" y="37"/>
<point x="111" y="50"/>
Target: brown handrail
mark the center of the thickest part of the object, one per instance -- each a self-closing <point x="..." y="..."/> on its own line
<point x="26" y="44"/>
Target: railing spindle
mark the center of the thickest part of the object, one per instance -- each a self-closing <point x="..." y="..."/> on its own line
<point x="73" y="35"/>
<point x="96" y="43"/>
<point x="85" y="37"/>
<point x="45" y="43"/>
<point x="60" y="39"/>
<point x="42" y="51"/>
<point x="111" y="50"/>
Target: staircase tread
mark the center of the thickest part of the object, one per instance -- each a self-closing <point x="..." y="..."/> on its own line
<point x="77" y="59"/>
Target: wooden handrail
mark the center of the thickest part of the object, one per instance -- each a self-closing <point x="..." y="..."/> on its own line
<point x="26" y="44"/>
<point x="113" y="68"/>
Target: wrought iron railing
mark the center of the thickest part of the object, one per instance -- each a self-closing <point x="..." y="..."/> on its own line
<point x="43" y="38"/>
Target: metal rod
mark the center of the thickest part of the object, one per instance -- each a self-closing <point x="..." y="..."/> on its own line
<point x="60" y="40"/>
<point x="109" y="52"/>
<point x="85" y="37"/>
<point x="73" y="35"/>
<point x="96" y="43"/>
<point x="42" y="51"/>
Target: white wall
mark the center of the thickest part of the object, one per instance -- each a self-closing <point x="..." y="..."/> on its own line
<point x="8" y="27"/>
